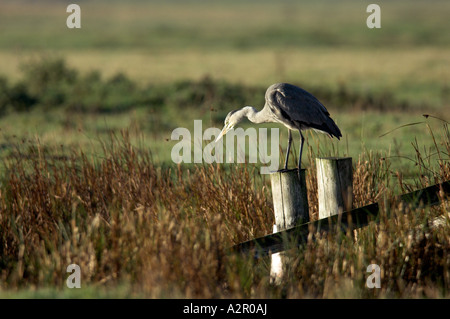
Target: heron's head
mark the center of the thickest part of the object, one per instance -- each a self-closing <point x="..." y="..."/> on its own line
<point x="233" y="118"/>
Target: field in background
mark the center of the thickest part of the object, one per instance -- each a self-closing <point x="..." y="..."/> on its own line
<point x="318" y="43"/>
<point x="81" y="110"/>
<point x="148" y="67"/>
<point x="417" y="75"/>
<point x="319" y="46"/>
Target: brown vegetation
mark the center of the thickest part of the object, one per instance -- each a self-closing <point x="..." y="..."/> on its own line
<point x="166" y="232"/>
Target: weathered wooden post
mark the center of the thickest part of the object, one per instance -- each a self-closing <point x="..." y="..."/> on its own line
<point x="335" y="185"/>
<point x="290" y="198"/>
<point x="290" y="203"/>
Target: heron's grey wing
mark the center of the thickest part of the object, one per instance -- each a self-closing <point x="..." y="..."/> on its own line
<point x="300" y="108"/>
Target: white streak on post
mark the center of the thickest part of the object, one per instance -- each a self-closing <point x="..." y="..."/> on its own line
<point x="276" y="266"/>
<point x="290" y="203"/>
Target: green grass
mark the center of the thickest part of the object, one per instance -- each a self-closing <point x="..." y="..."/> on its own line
<point x="175" y="25"/>
<point x="90" y="292"/>
<point x="419" y="76"/>
<point x="319" y="43"/>
<point x="80" y="109"/>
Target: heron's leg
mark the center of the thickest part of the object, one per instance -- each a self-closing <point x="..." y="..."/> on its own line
<point x="288" y="149"/>
<point x="302" y="140"/>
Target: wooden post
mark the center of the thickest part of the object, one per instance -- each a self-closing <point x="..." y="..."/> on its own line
<point x="290" y="198"/>
<point x="335" y="185"/>
<point x="290" y="203"/>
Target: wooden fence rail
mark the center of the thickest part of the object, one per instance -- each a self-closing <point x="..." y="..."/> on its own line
<point x="353" y="219"/>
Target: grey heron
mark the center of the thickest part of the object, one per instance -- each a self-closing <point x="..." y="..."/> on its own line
<point x="291" y="106"/>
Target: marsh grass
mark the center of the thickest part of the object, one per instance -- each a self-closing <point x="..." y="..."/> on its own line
<point x="139" y="228"/>
<point x="165" y="232"/>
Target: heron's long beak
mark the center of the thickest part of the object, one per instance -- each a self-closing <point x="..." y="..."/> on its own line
<point x="225" y="129"/>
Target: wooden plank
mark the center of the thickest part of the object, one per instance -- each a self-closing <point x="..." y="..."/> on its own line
<point x="356" y="218"/>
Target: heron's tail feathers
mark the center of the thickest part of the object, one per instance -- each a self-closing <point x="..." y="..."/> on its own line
<point x="329" y="127"/>
<point x="333" y="129"/>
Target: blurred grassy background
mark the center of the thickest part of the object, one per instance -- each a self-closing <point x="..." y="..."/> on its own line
<point x="152" y="66"/>
<point x="253" y="42"/>
<point x="322" y="46"/>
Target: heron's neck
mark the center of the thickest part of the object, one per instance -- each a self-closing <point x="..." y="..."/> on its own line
<point x="254" y="116"/>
